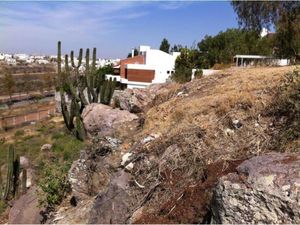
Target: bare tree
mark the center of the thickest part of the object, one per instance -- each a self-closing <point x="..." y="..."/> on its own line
<point x="9" y="84"/>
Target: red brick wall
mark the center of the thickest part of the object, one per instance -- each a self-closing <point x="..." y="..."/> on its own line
<point x="140" y="75"/>
<point x="139" y="59"/>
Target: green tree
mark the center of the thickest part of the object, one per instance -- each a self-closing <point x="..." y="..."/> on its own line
<point x="176" y="48"/>
<point x="283" y="15"/>
<point x="27" y="84"/>
<point x="48" y="81"/>
<point x="183" y="67"/>
<point x="9" y="84"/>
<point x="164" y="46"/>
<point x="222" y="47"/>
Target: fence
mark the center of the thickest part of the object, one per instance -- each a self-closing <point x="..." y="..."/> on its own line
<point x="7" y="122"/>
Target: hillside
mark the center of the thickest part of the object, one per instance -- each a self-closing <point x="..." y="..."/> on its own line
<point x="192" y="134"/>
<point x="166" y="162"/>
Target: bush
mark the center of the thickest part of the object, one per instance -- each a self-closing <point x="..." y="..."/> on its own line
<point x="19" y="133"/>
<point x="221" y="66"/>
<point x="183" y="67"/>
<point x="54" y="184"/>
<point x="198" y="73"/>
<point x="286" y="108"/>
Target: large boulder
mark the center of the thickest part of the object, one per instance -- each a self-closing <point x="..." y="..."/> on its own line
<point x="26" y="209"/>
<point x="103" y="120"/>
<point x="265" y="189"/>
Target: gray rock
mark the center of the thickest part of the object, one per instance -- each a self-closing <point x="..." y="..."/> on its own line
<point x="24" y="162"/>
<point x="265" y="189"/>
<point x="114" y="205"/>
<point x="89" y="173"/>
<point x="26" y="209"/>
<point x="103" y="120"/>
<point x="150" y="138"/>
<point x="133" y="100"/>
<point x="46" y="147"/>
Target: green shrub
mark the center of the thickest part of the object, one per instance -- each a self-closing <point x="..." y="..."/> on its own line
<point x="57" y="135"/>
<point x="54" y="184"/>
<point x="19" y="133"/>
<point x="198" y="73"/>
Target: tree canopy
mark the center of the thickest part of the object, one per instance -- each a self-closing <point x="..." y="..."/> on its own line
<point x="222" y="47"/>
<point x="164" y="46"/>
<point x="283" y="15"/>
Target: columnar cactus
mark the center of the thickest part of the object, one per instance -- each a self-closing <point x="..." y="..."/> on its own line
<point x="16" y="174"/>
<point x="88" y="84"/>
<point x="13" y="184"/>
<point x="10" y="172"/>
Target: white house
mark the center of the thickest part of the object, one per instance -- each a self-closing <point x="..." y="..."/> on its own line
<point x="150" y="66"/>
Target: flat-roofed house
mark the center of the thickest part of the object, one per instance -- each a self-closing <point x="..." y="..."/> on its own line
<point x="253" y="60"/>
<point x="150" y="66"/>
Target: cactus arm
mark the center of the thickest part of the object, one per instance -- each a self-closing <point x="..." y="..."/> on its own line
<point x="59" y="57"/>
<point x="72" y="59"/>
<point x="16" y="174"/>
<point x="64" y="109"/>
<point x="79" y="58"/>
<point x="102" y="94"/>
<point x="24" y="181"/>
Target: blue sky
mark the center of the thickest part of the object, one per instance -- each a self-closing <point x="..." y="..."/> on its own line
<point x="113" y="27"/>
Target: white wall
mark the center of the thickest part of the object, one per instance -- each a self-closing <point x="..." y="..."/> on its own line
<point x="162" y="62"/>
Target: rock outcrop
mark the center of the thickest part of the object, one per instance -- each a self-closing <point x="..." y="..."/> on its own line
<point x="88" y="174"/>
<point x="133" y="100"/>
<point x="265" y="189"/>
<point x="103" y="120"/>
<point x="138" y="100"/>
<point x="114" y="205"/>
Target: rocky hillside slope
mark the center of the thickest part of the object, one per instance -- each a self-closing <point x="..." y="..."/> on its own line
<point x="164" y="165"/>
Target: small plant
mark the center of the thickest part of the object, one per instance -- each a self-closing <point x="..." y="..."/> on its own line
<point x="54" y="184"/>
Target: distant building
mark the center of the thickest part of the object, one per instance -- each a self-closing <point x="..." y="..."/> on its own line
<point x="254" y="60"/>
<point x="42" y="61"/>
<point x="21" y="57"/>
<point x="266" y="33"/>
<point x="150" y="66"/>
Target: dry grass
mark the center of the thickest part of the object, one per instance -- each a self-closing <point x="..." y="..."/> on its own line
<point x="200" y="123"/>
<point x="232" y="91"/>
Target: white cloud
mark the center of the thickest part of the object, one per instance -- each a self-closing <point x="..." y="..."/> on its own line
<point x="173" y="5"/>
<point x="28" y="26"/>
